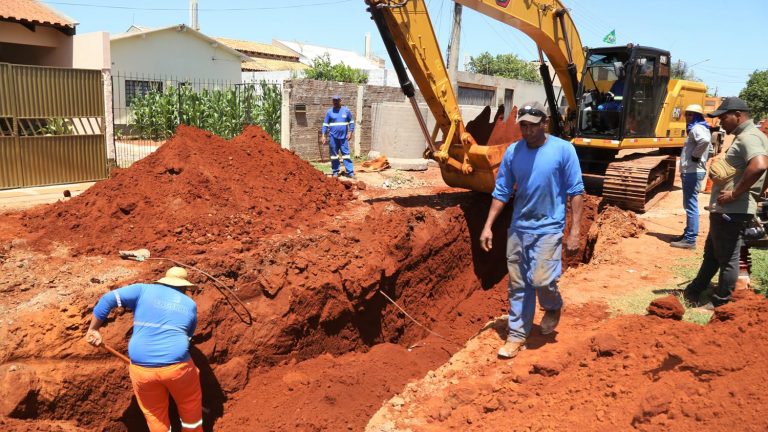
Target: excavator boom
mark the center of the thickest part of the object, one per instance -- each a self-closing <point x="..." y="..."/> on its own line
<point x="618" y="98"/>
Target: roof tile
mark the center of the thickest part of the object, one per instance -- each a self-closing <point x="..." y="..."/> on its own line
<point x="33" y="12"/>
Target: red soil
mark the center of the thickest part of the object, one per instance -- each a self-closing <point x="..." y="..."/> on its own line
<point x="197" y="191"/>
<point x="667" y="307"/>
<point x="319" y="347"/>
<point x="307" y="259"/>
<point x="630" y="373"/>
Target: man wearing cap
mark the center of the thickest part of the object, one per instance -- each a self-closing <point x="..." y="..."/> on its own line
<point x="542" y="173"/>
<point x="732" y="203"/>
<point x="338" y="126"/>
<point x="693" y="168"/>
<point x="164" y="320"/>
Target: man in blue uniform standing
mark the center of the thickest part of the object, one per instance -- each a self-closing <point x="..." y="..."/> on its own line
<point x="339" y="125"/>
<point x="542" y="172"/>
<point x="164" y="320"/>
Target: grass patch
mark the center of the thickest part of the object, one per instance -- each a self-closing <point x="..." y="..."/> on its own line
<point x="759" y="275"/>
<point x="323" y="167"/>
<point x="636" y="302"/>
<point x="687" y="267"/>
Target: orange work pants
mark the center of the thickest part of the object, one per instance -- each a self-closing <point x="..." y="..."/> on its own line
<point x="151" y="387"/>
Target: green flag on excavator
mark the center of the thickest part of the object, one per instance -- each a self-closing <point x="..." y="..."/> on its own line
<point x="610" y="38"/>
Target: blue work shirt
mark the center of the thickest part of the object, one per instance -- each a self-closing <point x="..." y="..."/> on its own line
<point x="164" y="320"/>
<point x="544" y="177"/>
<point x="339" y="122"/>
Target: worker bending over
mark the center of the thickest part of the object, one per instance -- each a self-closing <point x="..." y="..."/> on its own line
<point x="542" y="173"/>
<point x="164" y="320"/>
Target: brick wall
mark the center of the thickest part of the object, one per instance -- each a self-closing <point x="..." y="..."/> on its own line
<point x="316" y="96"/>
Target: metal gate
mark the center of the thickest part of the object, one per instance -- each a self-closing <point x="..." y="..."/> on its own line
<point x="52" y="127"/>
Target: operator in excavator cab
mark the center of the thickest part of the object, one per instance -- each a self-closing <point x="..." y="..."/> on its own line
<point x="543" y="173"/>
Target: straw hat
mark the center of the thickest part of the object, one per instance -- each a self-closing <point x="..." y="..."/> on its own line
<point x="694" y="108"/>
<point x="176" y="277"/>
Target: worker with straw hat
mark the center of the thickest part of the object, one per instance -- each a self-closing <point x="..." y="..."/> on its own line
<point x="164" y="320"/>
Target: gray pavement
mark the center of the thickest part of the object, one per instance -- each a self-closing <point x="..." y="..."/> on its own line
<point x="24" y="198"/>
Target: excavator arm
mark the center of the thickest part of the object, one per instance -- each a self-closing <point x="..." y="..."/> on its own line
<point x="470" y="154"/>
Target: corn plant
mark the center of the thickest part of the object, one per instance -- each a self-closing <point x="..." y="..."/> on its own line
<point x="221" y="111"/>
<point x="268" y="113"/>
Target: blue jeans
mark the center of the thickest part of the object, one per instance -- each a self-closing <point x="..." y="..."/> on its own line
<point x="691" y="182"/>
<point x="336" y="146"/>
<point x="534" y="262"/>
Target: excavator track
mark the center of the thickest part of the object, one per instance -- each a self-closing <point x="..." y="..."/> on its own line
<point x="638" y="182"/>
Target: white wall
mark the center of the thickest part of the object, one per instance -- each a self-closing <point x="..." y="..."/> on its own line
<point x="406" y="140"/>
<point x="167" y="56"/>
<point x="271" y="76"/>
<point x="175" y="54"/>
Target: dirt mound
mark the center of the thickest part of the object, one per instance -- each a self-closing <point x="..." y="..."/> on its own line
<point x="194" y="192"/>
<point x="667" y="307"/>
<point x="586" y="241"/>
<point x="632" y="373"/>
<point x="611" y="226"/>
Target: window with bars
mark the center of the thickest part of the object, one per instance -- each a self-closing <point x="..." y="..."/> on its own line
<point x="135" y="88"/>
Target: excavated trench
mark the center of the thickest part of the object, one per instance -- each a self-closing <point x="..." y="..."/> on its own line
<point x="318" y="345"/>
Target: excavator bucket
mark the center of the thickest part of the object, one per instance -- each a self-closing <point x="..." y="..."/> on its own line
<point x="493" y="137"/>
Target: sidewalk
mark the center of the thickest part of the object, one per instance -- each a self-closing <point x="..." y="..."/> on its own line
<point x="17" y="199"/>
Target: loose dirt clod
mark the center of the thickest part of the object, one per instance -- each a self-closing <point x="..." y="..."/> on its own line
<point x="667" y="307"/>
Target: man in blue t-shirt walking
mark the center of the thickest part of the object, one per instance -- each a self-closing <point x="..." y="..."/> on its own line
<point x="164" y="320"/>
<point x="542" y="172"/>
<point x="338" y="126"/>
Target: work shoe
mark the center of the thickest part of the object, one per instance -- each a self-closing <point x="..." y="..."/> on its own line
<point x="677" y="238"/>
<point x="691" y="298"/>
<point x="683" y="244"/>
<point x="549" y="321"/>
<point x="511" y="348"/>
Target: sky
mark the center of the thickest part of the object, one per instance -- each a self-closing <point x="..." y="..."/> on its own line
<point x="721" y="41"/>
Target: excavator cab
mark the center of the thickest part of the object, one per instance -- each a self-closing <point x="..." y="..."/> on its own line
<point x="622" y="92"/>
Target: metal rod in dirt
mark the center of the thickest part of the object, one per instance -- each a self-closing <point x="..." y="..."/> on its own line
<point x="414" y="319"/>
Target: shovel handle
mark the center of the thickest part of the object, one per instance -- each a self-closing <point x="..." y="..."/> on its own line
<point x="115" y="353"/>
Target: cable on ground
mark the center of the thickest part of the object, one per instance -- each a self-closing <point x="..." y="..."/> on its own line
<point x="418" y="323"/>
<point x="219" y="286"/>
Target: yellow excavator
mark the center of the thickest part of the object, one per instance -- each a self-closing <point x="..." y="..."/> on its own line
<point x="619" y="98"/>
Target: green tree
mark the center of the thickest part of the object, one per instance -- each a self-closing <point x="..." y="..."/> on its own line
<point x="323" y="70"/>
<point x="681" y="71"/>
<point x="755" y="94"/>
<point x="505" y="65"/>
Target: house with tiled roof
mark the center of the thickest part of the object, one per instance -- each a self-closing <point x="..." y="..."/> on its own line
<point x="52" y="98"/>
<point x="268" y="62"/>
<point x="264" y="57"/>
<point x="372" y="65"/>
<point x="145" y="59"/>
<point x="35" y="34"/>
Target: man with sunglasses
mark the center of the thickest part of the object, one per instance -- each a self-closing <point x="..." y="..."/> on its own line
<point x="733" y="204"/>
<point x="542" y="173"/>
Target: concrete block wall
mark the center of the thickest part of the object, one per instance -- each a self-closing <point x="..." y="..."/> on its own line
<point x="396" y="130"/>
<point x="316" y="96"/>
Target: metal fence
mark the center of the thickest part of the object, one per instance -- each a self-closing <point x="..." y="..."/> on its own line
<point x="148" y="108"/>
<point x="51" y="126"/>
